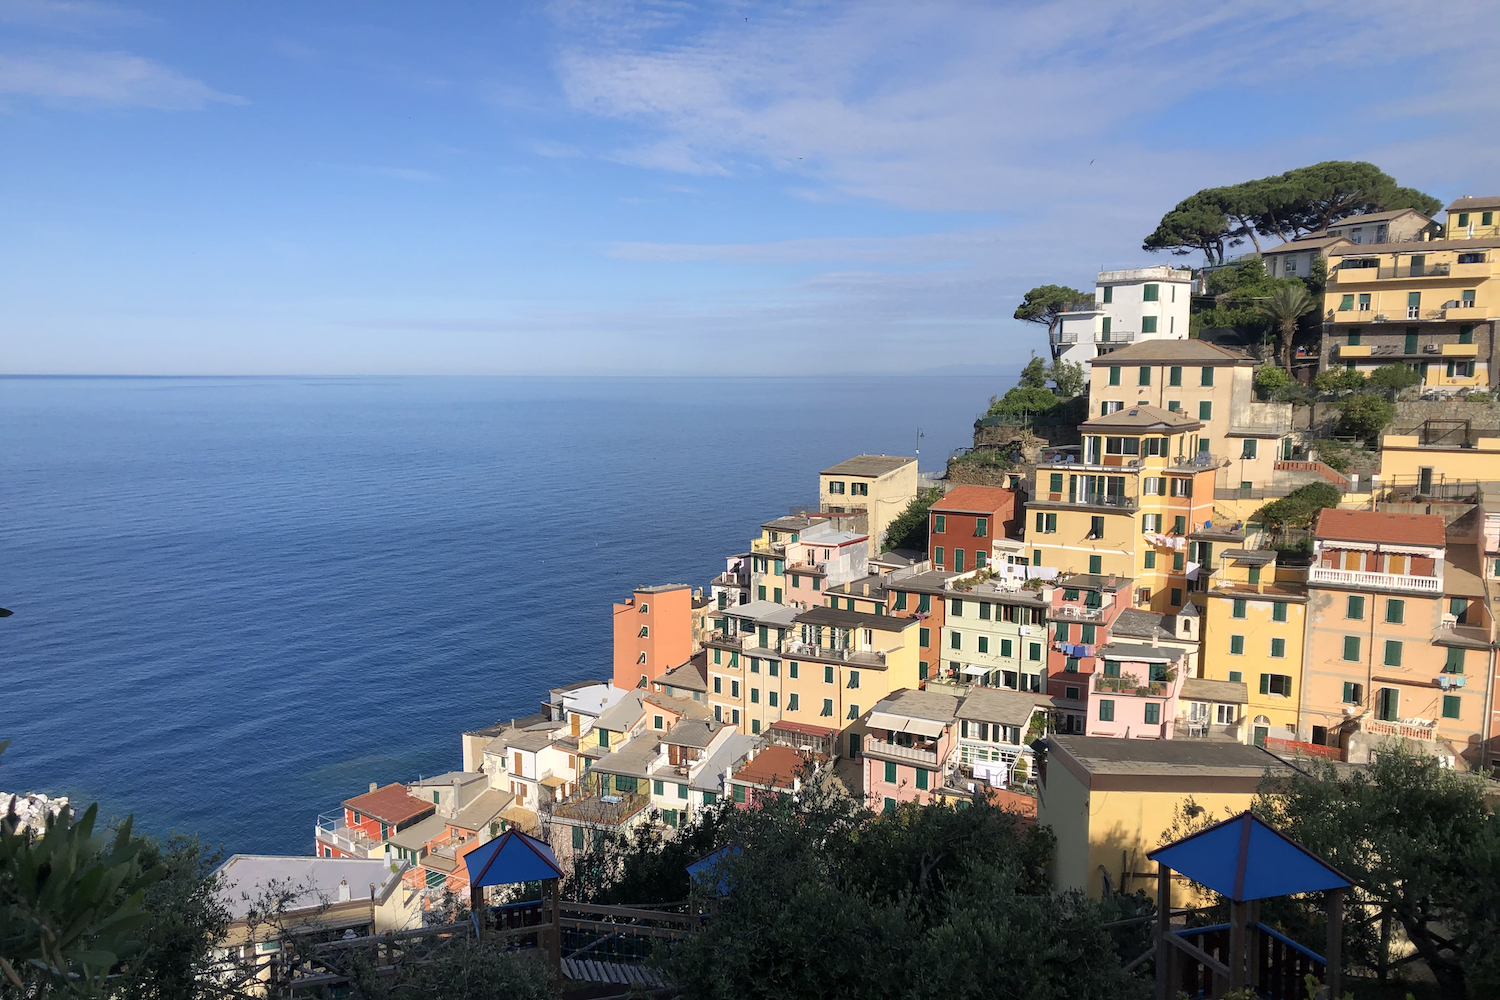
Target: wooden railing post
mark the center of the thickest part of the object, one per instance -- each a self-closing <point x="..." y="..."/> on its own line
<point x="476" y="908"/>
<point x="554" y="938"/>
<point x="1333" y="954"/>
<point x="1166" y="988"/>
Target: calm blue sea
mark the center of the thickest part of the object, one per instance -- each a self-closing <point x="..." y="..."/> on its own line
<point x="240" y="600"/>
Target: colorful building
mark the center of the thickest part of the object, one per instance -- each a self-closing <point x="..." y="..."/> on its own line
<point x="1134" y="694"/>
<point x="1253" y="634"/>
<point x="1083" y="609"/>
<point x="963" y="525"/>
<point x="1242" y="438"/>
<point x="921" y="596"/>
<point x="653" y="632"/>
<point x="1129" y="306"/>
<point x="993" y="635"/>
<point x="881" y="486"/>
<point x="365" y="826"/>
<point x="995" y="731"/>
<point x="908" y="738"/>
<point x="1128" y="508"/>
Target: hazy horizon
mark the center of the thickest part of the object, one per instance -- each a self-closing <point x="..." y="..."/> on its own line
<point x="656" y="188"/>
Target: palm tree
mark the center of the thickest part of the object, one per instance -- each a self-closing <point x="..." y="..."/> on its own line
<point x="1286" y="305"/>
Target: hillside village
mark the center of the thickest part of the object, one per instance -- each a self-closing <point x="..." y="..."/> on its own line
<point x="1124" y="602"/>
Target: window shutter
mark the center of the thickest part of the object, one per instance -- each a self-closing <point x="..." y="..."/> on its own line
<point x="1265" y="683"/>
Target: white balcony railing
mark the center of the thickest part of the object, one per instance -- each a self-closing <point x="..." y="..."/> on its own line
<point x="899" y="752"/>
<point x="1375" y="581"/>
<point x="1409" y="729"/>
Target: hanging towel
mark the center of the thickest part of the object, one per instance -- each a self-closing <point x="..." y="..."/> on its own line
<point x="1192" y="571"/>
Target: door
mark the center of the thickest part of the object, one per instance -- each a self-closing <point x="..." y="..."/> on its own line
<point x="1424" y="479"/>
<point x="958" y="560"/>
<point x="853" y="746"/>
<point x="1261" y="732"/>
<point x="1389" y="705"/>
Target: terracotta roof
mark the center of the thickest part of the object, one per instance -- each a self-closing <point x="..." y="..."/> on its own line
<point x="1197" y="351"/>
<point x="1467" y="204"/>
<point x="1143" y="417"/>
<point x="391" y="804"/>
<point x="805" y="728"/>
<point x="976" y="499"/>
<point x="1376" y="526"/>
<point x="776" y="764"/>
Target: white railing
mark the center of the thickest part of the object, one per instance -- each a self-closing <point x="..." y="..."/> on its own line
<point x="1378" y="581"/>
<point x="876" y="749"/>
<point x="1410" y="729"/>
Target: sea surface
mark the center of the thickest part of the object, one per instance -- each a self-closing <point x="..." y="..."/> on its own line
<point x="237" y="601"/>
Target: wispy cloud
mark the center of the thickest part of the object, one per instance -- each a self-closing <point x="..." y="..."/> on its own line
<point x="925" y="248"/>
<point x="120" y="79"/>
<point x="67" y="15"/>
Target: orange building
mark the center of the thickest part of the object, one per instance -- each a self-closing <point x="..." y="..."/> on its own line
<point x="963" y="525"/>
<point x="1387" y="654"/>
<point x="653" y="633"/>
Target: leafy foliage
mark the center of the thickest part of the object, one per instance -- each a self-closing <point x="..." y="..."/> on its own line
<point x="463" y="970"/>
<point x="1269" y="377"/>
<point x="1364" y="415"/>
<point x="909" y="529"/>
<point x="1287" y="205"/>
<point x="1043" y="304"/>
<point x="1419" y="843"/>
<point x="1034" y="375"/>
<point x="1067" y="376"/>
<point x="1298" y="508"/>
<point x="1023" y="399"/>
<point x="1394" y="377"/>
<point x="1287" y="304"/>
<point x="1338" y="379"/>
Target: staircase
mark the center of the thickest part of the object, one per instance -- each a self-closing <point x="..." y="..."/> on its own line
<point x="1302" y="473"/>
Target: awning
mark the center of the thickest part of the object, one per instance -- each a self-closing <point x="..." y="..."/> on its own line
<point x="902" y="724"/>
<point x="972" y="671"/>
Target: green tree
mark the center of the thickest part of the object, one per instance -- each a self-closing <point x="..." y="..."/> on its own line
<point x="909" y="529"/>
<point x="1269" y="378"/>
<point x="1022" y="400"/>
<point x="1364" y="415"/>
<point x="1068" y="377"/>
<point x="1422" y="848"/>
<point x="1394" y="377"/>
<point x="1298" y="508"/>
<point x="1034" y="375"/>
<point x="1285" y="307"/>
<point x="1338" y="379"/>
<point x="1044" y="303"/>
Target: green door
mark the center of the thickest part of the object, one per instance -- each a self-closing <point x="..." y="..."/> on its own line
<point x="1261" y="732"/>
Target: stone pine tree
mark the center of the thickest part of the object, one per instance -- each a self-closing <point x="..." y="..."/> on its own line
<point x="1045" y="303"/>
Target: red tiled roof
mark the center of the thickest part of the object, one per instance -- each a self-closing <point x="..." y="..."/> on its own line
<point x="975" y="499"/>
<point x="776" y="764"/>
<point x="1375" y="526"/>
<point x="391" y="804"/>
<point x="1024" y="806"/>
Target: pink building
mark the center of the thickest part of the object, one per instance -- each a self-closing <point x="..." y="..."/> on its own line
<point x="1134" y="692"/>
<point x="910" y="735"/>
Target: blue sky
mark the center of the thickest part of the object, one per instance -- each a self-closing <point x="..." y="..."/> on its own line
<point x="658" y="187"/>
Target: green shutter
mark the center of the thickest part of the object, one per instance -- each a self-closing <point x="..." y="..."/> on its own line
<point x="1265" y="683"/>
<point x="890" y="772"/>
<point x="1451" y="704"/>
<point x="1351" y="647"/>
<point x="1237" y="645"/>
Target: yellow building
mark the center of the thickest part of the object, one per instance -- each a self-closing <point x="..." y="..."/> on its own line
<point x="1110" y="801"/>
<point x="881" y="485"/>
<point x="1253" y="633"/>
<point x="1438" y="462"/>
<point x="1427" y="304"/>
<point x="1210" y="384"/>
<point x="1129" y="507"/>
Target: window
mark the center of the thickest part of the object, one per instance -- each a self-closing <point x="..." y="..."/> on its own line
<point x="1451" y="705"/>
<point x="1114" y="374"/>
<point x="1071" y="665"/>
<point x="1455" y="664"/>
<point x="924" y="637"/>
<point x="901" y="600"/>
<point x="827" y="707"/>
<point x="1392" y="653"/>
<point x="1354" y="693"/>
<point x="1355" y="609"/>
<point x="854" y="678"/>
<point x="1351" y="647"/>
<point x="645" y="632"/>
<point x="1463" y="218"/>
<point x="1236" y="676"/>
<point x="1148" y="559"/>
<point x="791" y="702"/>
<point x="1277" y="684"/>
<point x="1174" y="375"/>
<point x="1096" y="565"/>
<point x="853" y="712"/>
<point x="739" y="794"/>
<point x="834" y="486"/>
<point x="1144" y="376"/>
<point x="1106" y="710"/>
<point x="1176" y="597"/>
<point x="827" y="675"/>
<point x="1254" y="575"/>
<point x="1148" y="325"/>
<point x="760" y="591"/>
<point x="1354" y="337"/>
<point x="859" y="489"/>
<point x="734" y="689"/>
<point x="1278" y="611"/>
<point x="1153" y="713"/>
<point x="755" y="662"/>
<point x="984" y="611"/>
<point x="1206" y="407"/>
<point x="1239" y="607"/>
<point x="955" y="640"/>
<point x="771" y="698"/>
<point x="817" y="583"/>
<point x="1237" y="645"/>
<point x="1109" y="294"/>
<point x="1206" y="377"/>
<point x="1096" y="527"/>
<point x="1413" y="304"/>
<point x="939" y="523"/>
<point x="937" y="555"/>
<point x="1055" y="482"/>
<point x="1181" y="488"/>
<point x="1395" y="611"/>
<point x="981" y="527"/>
<point x="1034" y="654"/>
<point x="890" y="772"/>
<point x="1411" y="341"/>
<point x="1249" y="448"/>
<point x="604" y="738"/>
<point x="1388" y="705"/>
<point x="659" y="787"/>
<point x="1174" y="406"/>
<point x="718" y="685"/>
<point x="958" y="607"/>
<point x="1466" y="335"/>
<point x="641" y="658"/>
<point x="1278" y="649"/>
<point x="984" y="644"/>
<point x="1346" y="304"/>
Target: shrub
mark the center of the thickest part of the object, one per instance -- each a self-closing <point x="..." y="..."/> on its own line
<point x="1024" y="399"/>
<point x="1394" y="377"/>
<point x="1298" y="508"/>
<point x="1364" y="415"/>
<point x="1338" y="379"/>
<point x="1480" y="396"/>
<point x="1269" y="377"/>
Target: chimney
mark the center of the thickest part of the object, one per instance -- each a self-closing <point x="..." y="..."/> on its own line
<point x="374" y="785"/>
<point x="343" y="890"/>
<point x="1155" y="640"/>
<point x="1111" y="579"/>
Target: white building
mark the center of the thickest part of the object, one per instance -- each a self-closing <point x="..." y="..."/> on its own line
<point x="1145" y="303"/>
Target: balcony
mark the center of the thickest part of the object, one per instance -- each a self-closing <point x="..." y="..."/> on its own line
<point x="1361" y="580"/>
<point x="870" y="658"/>
<point x="1406" y="729"/>
<point x="331" y="830"/>
<point x="922" y="753"/>
<point x="1346" y="275"/>
<point x="1115" y="337"/>
<point x="1077" y="612"/>
<point x="604" y="810"/>
<point x="1059" y="337"/>
<point x="1131" y="685"/>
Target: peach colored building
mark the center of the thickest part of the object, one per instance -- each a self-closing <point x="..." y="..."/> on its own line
<point x="1134" y="692"/>
<point x="1391" y="651"/>
<point x="909" y="738"/>
<point x="653" y="632"/>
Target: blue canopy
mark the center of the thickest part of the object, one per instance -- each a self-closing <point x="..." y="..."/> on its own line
<point x="509" y="858"/>
<point x="1245" y="859"/>
<point x="704" y="871"/>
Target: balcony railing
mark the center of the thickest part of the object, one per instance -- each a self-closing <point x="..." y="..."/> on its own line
<point x="1115" y="337"/>
<point x="1347" y="274"/>
<point x="796" y="647"/>
<point x="896" y="751"/>
<point x="1130" y="685"/>
<point x="1059" y="337"/>
<point x="1075" y="611"/>
<point x="1119" y="500"/>
<point x="331" y="830"/>
<point x="1408" y="729"/>
<point x="1375" y="581"/>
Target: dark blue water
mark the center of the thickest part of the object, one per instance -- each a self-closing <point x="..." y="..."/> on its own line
<point x="238" y="601"/>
